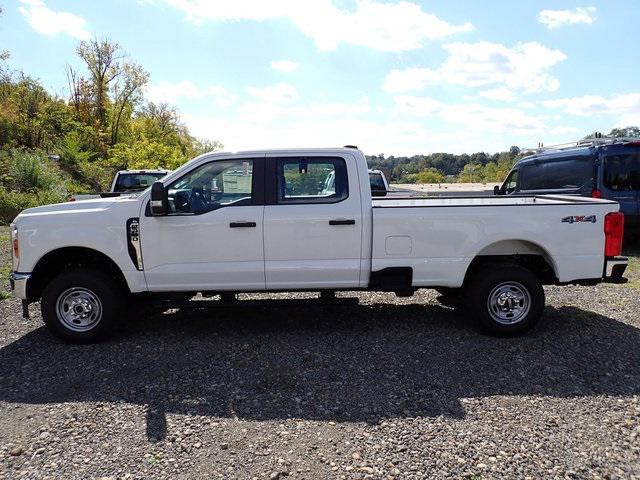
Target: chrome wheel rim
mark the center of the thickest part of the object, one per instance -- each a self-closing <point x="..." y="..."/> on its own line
<point x="79" y="309"/>
<point x="509" y="303"/>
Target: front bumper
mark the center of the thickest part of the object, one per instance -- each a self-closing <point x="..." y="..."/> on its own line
<point x="614" y="268"/>
<point x="19" y="284"/>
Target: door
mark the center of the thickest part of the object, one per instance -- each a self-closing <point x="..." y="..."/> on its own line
<point x="212" y="238"/>
<point x="312" y="223"/>
<point x="621" y="180"/>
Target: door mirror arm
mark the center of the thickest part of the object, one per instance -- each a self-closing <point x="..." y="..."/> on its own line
<point x="159" y="200"/>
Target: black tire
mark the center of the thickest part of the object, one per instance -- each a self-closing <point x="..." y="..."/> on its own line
<point x="447" y="291"/>
<point x="91" y="288"/>
<point x="450" y="297"/>
<point x="518" y="289"/>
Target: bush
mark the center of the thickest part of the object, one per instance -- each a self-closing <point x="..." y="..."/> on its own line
<point x="28" y="179"/>
<point x="26" y="172"/>
<point x="12" y="203"/>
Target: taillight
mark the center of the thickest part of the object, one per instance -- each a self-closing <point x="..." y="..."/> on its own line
<point x="16" y="248"/>
<point x="613" y="233"/>
<point x="595" y="193"/>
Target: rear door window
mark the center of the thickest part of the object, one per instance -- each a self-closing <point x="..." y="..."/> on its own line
<point x="622" y="172"/>
<point x="312" y="180"/>
<point x="572" y="172"/>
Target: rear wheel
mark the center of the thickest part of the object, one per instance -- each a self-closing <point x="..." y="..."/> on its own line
<point x="506" y="300"/>
<point x="80" y="306"/>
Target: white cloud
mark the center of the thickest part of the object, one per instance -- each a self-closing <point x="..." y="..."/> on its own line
<point x="588" y="105"/>
<point x="501" y="93"/>
<point x="558" y="18"/>
<point x="285" y="66"/>
<point x="169" y="92"/>
<point x="628" y="120"/>
<point x="472" y="116"/>
<point x="523" y="68"/>
<point x="49" y="22"/>
<point x="280" y="93"/>
<point x="391" y="27"/>
<point x="562" y="130"/>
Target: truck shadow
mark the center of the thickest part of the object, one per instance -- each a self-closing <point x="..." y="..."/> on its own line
<point x="358" y="363"/>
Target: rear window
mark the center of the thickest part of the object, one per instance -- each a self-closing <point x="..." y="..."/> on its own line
<point x="622" y="172"/>
<point x="574" y="172"/>
<point x="133" y="182"/>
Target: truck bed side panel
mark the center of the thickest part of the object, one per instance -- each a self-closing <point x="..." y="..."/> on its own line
<point x="440" y="242"/>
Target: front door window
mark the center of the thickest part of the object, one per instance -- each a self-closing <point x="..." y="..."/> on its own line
<point x="212" y="186"/>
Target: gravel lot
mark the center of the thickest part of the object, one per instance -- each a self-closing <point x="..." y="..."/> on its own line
<point x="389" y="388"/>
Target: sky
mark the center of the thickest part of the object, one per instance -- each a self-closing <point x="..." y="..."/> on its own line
<point x="393" y="77"/>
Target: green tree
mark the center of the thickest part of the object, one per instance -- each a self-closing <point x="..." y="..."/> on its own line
<point x="625" y="132"/>
<point x="472" y="173"/>
<point x="101" y="58"/>
<point x="429" y="175"/>
<point x="127" y="94"/>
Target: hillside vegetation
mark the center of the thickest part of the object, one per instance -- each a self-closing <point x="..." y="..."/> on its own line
<point x="51" y="147"/>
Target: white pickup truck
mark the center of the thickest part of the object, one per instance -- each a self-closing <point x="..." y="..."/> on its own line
<point x="269" y="221"/>
<point x="126" y="182"/>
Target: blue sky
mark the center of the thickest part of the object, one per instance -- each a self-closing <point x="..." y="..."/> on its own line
<point x="392" y="77"/>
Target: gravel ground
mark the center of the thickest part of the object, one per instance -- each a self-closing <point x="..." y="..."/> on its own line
<point x="389" y="388"/>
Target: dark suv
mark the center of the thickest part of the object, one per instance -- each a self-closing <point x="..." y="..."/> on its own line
<point x="607" y="169"/>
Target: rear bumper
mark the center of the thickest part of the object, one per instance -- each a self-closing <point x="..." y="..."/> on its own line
<point x="18" y="283"/>
<point x="614" y="268"/>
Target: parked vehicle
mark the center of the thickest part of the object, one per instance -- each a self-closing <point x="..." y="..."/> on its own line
<point x="378" y="182"/>
<point x="600" y="167"/>
<point x="126" y="182"/>
<point x="267" y="221"/>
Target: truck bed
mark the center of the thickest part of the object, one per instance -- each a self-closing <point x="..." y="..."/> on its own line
<point x="439" y="242"/>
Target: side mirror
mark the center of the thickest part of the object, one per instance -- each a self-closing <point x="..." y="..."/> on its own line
<point x="159" y="200"/>
<point x="378" y="193"/>
<point x="496" y="190"/>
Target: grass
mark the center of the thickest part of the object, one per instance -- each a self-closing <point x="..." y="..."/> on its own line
<point x="5" y="262"/>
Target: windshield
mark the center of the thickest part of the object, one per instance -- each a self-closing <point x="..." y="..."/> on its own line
<point x="135" y="182"/>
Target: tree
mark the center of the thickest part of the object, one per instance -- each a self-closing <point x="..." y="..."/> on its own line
<point x="429" y="175"/>
<point x="102" y="59"/>
<point x="127" y="94"/>
<point x="625" y="132"/>
<point x="472" y="173"/>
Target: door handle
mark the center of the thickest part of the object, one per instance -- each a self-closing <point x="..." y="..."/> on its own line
<point x="342" y="222"/>
<point x="242" y="224"/>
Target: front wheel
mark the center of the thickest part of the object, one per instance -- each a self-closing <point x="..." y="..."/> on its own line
<point x="81" y="306"/>
<point x="507" y="299"/>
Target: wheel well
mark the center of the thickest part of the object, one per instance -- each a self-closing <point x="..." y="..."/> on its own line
<point x="68" y="258"/>
<point x="537" y="264"/>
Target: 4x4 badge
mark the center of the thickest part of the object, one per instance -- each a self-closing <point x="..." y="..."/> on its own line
<point x="580" y="219"/>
